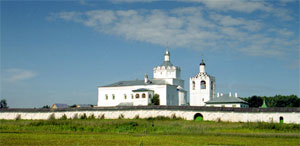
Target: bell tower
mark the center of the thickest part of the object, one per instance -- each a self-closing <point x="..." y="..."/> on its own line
<point x="202" y="87"/>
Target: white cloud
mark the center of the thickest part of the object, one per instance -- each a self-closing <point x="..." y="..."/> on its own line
<point x="224" y="5"/>
<point x="234" y="5"/>
<point x="287" y="1"/>
<point x="249" y="25"/>
<point x="15" y="74"/>
<point x="245" y="6"/>
<point x="189" y="27"/>
<point x="85" y="3"/>
<point x="133" y="1"/>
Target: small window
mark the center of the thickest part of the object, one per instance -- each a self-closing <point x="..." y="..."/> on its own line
<point x="194" y="85"/>
<point x="212" y="85"/>
<point x="202" y="99"/>
<point x="131" y="96"/>
<point x="150" y="96"/>
<point x="143" y="95"/>
<point x="223" y="106"/>
<point x="125" y="96"/>
<point x="113" y="97"/>
<point x="106" y="96"/>
<point x="235" y="105"/>
<point x="203" y="85"/>
<point x="137" y="95"/>
<point x="212" y="106"/>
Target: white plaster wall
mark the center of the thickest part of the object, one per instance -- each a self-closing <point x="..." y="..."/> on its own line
<point x="141" y="100"/>
<point x="172" y="95"/>
<point x="188" y="115"/>
<point x="166" y="72"/>
<point x="199" y="96"/>
<point x="291" y="117"/>
<point x="162" y="72"/>
<point x="119" y="93"/>
<point x="182" y="97"/>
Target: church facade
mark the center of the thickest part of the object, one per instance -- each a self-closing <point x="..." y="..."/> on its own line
<point x="166" y="83"/>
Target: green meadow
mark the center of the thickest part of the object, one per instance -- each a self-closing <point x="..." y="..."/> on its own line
<point x="151" y="131"/>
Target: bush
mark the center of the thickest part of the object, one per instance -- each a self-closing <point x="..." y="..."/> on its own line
<point x="92" y="116"/>
<point x="173" y="116"/>
<point x="137" y="117"/>
<point x="51" y="117"/>
<point x="155" y="100"/>
<point x="64" y="117"/>
<point x="83" y="117"/>
<point x="101" y="116"/>
<point x="121" y="116"/>
<point x="18" y="117"/>
<point x="75" y="116"/>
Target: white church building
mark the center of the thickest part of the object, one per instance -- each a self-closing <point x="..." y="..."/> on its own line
<point x="166" y="83"/>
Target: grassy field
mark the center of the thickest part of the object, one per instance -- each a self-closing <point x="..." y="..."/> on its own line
<point x="160" y="131"/>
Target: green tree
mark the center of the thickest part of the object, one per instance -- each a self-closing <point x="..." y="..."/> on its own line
<point x="46" y="106"/>
<point x="3" y="103"/>
<point x="254" y="101"/>
<point x="155" y="100"/>
<point x="286" y="101"/>
<point x="274" y="101"/>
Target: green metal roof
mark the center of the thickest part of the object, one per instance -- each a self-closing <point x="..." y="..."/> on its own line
<point x="264" y="104"/>
<point x="225" y="99"/>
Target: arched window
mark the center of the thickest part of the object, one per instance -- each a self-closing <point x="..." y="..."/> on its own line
<point x="211" y="85"/>
<point x="194" y="85"/>
<point x="203" y="85"/>
<point x="106" y="96"/>
<point x="125" y="96"/>
<point x="131" y="96"/>
<point x="150" y="96"/>
<point x="143" y="95"/>
<point x="137" y="95"/>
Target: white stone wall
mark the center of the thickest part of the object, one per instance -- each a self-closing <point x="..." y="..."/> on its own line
<point x="182" y="98"/>
<point x="171" y="81"/>
<point x="199" y="96"/>
<point x="162" y="72"/>
<point x="172" y="95"/>
<point x="289" y="117"/>
<point x="120" y="92"/>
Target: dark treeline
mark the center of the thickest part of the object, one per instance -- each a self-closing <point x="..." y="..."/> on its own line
<point x="274" y="101"/>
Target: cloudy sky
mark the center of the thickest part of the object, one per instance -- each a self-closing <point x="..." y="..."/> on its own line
<point x="59" y="52"/>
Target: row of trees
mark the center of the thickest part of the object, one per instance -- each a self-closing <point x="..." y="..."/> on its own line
<point x="274" y="101"/>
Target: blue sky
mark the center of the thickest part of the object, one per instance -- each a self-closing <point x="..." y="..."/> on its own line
<point x="59" y="52"/>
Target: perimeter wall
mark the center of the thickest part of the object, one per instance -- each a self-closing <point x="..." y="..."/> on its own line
<point x="288" y="115"/>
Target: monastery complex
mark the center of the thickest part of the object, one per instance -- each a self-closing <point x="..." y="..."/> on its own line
<point x="168" y="85"/>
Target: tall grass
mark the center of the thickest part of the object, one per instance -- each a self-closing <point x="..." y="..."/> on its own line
<point x="158" y="125"/>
